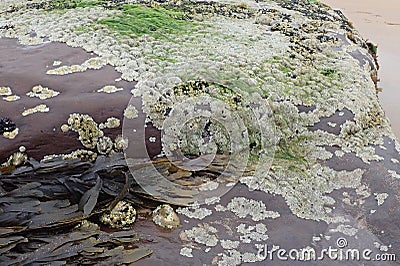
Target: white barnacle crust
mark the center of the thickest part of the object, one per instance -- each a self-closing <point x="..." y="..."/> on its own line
<point x="11" y="98"/>
<point x="381" y="197"/>
<point x="194" y="212"/>
<point x="394" y="174"/>
<point x="64" y="128"/>
<point x="91" y="63"/>
<point x="165" y="216"/>
<point x="104" y="145"/>
<point x="88" y="130"/>
<point x="345" y="229"/>
<point x="203" y="234"/>
<point x="187" y="252"/>
<point x="12" y="134"/>
<point x="122" y="215"/>
<point x="243" y="207"/>
<point x="5" y="91"/>
<point x="250" y="233"/>
<point x="110" y="89"/>
<point x="229" y="244"/>
<point x="41" y="108"/>
<point x="84" y="155"/>
<point x="131" y="112"/>
<point x="120" y="143"/>
<point x="42" y="93"/>
<point x="65" y="70"/>
<point x="112" y="122"/>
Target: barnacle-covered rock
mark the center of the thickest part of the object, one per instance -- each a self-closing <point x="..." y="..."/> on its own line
<point x="120" y="144"/>
<point x="17" y="159"/>
<point x="87" y="128"/>
<point x="11" y="134"/>
<point x="300" y="58"/>
<point x="84" y="155"/>
<point x="104" y="145"/>
<point x="122" y="215"/>
<point x="109" y="89"/>
<point x="112" y="122"/>
<point x="165" y="216"/>
<point x="42" y="93"/>
<point x="5" y="91"/>
<point x="11" y="98"/>
<point x="130" y="112"/>
<point x="41" y="108"/>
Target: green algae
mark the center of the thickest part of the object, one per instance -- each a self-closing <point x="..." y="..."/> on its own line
<point x="69" y="4"/>
<point x="137" y="20"/>
<point x="328" y="72"/>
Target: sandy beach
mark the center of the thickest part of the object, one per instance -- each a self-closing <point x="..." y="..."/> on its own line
<point x="380" y="23"/>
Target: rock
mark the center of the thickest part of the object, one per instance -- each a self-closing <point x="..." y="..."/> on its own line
<point x="165" y="216"/>
<point x="122" y="215"/>
<point x="283" y="89"/>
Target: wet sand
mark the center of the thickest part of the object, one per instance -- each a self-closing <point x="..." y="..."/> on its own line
<point x="379" y="22"/>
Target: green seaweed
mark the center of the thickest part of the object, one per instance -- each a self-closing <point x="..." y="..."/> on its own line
<point x="373" y="48"/>
<point x="328" y="72"/>
<point x="69" y="4"/>
<point x="138" y="20"/>
<point x="285" y="69"/>
<point x="162" y="58"/>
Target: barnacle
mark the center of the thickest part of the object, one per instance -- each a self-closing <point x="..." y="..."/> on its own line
<point x="87" y="128"/>
<point x="109" y="89"/>
<point x="42" y="93"/>
<point x="165" y="216"/>
<point x="122" y="215"/>
<point x="5" y="91"/>
<point x="41" y="108"/>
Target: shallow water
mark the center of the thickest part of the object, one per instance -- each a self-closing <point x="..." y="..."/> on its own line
<point x="379" y="22"/>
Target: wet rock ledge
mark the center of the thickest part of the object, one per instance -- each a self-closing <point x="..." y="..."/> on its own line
<point x="258" y="122"/>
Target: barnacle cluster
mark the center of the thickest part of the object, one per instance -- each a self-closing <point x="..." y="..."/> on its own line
<point x="16" y="159"/>
<point x="5" y="91"/>
<point x="130" y="112"/>
<point x="165" y="216"/>
<point x="84" y="155"/>
<point x="91" y="133"/>
<point x="41" y="108"/>
<point x="11" y="98"/>
<point x="122" y="215"/>
<point x="112" y="122"/>
<point x="109" y="89"/>
<point x="87" y="128"/>
<point x="92" y="63"/>
<point x="42" y="93"/>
